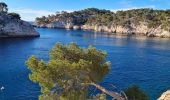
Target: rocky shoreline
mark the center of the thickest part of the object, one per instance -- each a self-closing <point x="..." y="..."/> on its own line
<point x="140" y="30"/>
<point x="147" y="22"/>
<point x="165" y="96"/>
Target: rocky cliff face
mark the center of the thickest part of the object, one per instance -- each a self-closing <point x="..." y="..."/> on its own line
<point x="61" y="22"/>
<point x="56" y="24"/>
<point x="12" y="27"/>
<point x="147" y="22"/>
<point x="140" y="29"/>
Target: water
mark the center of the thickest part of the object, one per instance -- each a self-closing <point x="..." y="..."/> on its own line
<point x="141" y="61"/>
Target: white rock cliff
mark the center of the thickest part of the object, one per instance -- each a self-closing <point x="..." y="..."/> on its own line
<point x="12" y="27"/>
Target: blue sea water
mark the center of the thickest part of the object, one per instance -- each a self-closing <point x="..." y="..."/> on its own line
<point x="142" y="61"/>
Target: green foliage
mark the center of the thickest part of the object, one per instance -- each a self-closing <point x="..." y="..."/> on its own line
<point x="42" y="20"/>
<point x="93" y="16"/>
<point x="153" y="18"/>
<point x="68" y="72"/>
<point x="15" y="15"/>
<point x="3" y="7"/>
<point x="135" y="93"/>
<point x="100" y="97"/>
<point x="76" y="17"/>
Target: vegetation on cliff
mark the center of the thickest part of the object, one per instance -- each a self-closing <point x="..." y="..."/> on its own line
<point x="11" y="24"/>
<point x="93" y="16"/>
<point x="153" y="18"/>
<point x="76" y="17"/>
<point x="135" y="93"/>
<point x="4" y="9"/>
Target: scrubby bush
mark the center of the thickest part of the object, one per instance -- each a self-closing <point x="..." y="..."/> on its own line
<point x="135" y="93"/>
<point x="15" y="15"/>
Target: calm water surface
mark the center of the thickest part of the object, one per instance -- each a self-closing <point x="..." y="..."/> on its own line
<point x="141" y="61"/>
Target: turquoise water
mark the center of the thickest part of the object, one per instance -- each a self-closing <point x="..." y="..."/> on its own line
<point x="141" y="61"/>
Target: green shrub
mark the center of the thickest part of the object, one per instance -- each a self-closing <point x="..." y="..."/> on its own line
<point x="15" y="15"/>
<point x="135" y="93"/>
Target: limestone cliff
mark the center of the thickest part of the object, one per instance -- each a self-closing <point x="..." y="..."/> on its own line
<point x="140" y="29"/>
<point x="147" y="22"/>
<point x="13" y="27"/>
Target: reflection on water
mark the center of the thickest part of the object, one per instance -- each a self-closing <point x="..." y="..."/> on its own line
<point x="135" y="60"/>
<point x="141" y="41"/>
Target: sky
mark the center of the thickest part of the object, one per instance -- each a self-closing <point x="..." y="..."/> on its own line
<point x="30" y="9"/>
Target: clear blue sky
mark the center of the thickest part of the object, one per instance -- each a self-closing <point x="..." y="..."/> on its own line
<point x="29" y="9"/>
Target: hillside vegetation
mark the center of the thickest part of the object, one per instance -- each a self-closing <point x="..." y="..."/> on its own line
<point x="153" y="22"/>
<point x="154" y="18"/>
<point x="77" y="17"/>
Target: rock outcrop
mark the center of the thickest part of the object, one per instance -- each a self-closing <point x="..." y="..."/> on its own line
<point x="13" y="27"/>
<point x="147" y="22"/>
<point x="140" y="29"/>
<point x="165" y="96"/>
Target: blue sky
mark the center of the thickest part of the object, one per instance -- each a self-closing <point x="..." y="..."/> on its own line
<point x="30" y="9"/>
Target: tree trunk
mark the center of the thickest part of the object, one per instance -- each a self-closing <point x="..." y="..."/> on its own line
<point x="110" y="93"/>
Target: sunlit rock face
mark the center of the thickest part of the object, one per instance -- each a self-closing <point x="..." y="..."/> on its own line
<point x="165" y="96"/>
<point x="141" y="29"/>
<point x="12" y="27"/>
<point x="92" y="19"/>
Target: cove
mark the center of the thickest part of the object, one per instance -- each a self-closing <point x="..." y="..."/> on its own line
<point x="135" y="60"/>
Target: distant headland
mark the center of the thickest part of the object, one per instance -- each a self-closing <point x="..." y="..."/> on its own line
<point x="146" y="21"/>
